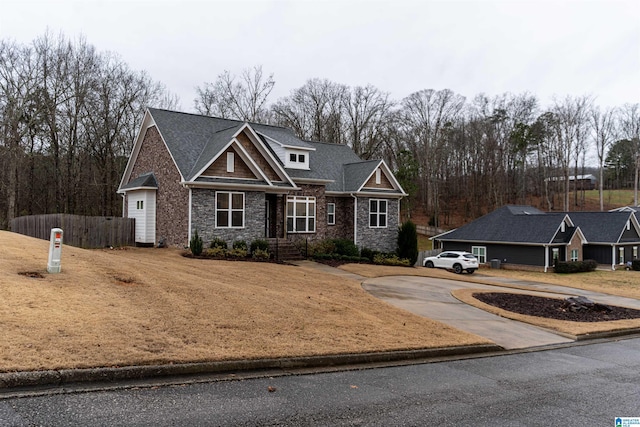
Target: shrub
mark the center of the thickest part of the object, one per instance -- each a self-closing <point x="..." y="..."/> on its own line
<point x="390" y="259"/>
<point x="215" y="253"/>
<point x="408" y="242"/>
<point x="368" y="253"/>
<point x="240" y="244"/>
<point x="237" y="253"/>
<point x="322" y="247"/>
<point x="218" y="243"/>
<point x="196" y="244"/>
<point x="635" y="264"/>
<point x="259" y="244"/>
<point x="345" y="247"/>
<point x="258" y="253"/>
<point x="570" y="267"/>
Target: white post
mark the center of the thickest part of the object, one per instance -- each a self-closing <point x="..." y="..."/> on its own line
<point x="55" y="251"/>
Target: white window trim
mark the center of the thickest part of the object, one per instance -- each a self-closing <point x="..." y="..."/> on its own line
<point x="577" y="255"/>
<point x="310" y="213"/>
<point x="331" y="216"/>
<point x="379" y="213"/>
<point x="230" y="162"/>
<point x="621" y="255"/>
<point x="378" y="176"/>
<point x="482" y="259"/>
<point x="229" y="210"/>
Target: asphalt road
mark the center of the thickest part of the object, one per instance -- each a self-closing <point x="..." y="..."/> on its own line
<point x="580" y="385"/>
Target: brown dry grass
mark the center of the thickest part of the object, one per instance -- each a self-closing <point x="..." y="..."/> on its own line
<point x="146" y="306"/>
<point x="564" y="326"/>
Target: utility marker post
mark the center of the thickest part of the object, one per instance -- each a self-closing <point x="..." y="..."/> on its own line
<point x="55" y="251"/>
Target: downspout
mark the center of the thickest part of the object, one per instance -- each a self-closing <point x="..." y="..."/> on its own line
<point x="355" y="219"/>
<point x="189" y="231"/>
<point x="613" y="257"/>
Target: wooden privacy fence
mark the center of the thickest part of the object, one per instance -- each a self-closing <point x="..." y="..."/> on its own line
<point x="81" y="231"/>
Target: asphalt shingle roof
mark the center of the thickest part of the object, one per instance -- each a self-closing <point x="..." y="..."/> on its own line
<point x="193" y="140"/>
<point x="145" y="180"/>
<point x="516" y="224"/>
<point x="601" y="227"/>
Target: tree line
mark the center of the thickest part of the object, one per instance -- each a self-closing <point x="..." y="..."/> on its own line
<point x="69" y="116"/>
<point x="451" y="154"/>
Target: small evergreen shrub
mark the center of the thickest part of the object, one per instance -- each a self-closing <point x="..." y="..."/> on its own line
<point x="215" y="253"/>
<point x="635" y="265"/>
<point x="260" y="254"/>
<point x="570" y="267"/>
<point x="368" y="253"/>
<point x="218" y="243"/>
<point x="345" y="247"/>
<point x="322" y="247"/>
<point x="237" y="253"/>
<point x="390" y="259"/>
<point x="196" y="244"/>
<point x="408" y="242"/>
<point x="240" y="244"/>
<point x="259" y="244"/>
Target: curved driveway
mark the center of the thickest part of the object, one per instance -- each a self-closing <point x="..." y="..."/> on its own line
<point x="431" y="297"/>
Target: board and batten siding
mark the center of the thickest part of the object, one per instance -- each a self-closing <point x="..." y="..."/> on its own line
<point x="145" y="217"/>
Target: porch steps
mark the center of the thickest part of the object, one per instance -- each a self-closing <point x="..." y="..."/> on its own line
<point x="284" y="250"/>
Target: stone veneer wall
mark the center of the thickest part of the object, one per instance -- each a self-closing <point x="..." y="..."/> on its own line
<point x="343" y="228"/>
<point x="172" y="199"/>
<point x="381" y="239"/>
<point x="203" y="217"/>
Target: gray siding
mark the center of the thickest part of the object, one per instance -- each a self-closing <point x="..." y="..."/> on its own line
<point x="507" y="254"/>
<point x="203" y="217"/>
<point x="380" y="239"/>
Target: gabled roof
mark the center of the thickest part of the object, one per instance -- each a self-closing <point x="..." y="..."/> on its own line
<point x="194" y="142"/>
<point x="602" y="227"/>
<point x="514" y="224"/>
<point x="626" y="209"/>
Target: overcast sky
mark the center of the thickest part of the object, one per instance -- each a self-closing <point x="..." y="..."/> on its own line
<point x="542" y="47"/>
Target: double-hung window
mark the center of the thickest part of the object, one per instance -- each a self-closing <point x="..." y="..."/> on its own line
<point x="301" y="214"/>
<point x="574" y="254"/>
<point x="480" y="252"/>
<point x="331" y="213"/>
<point x="229" y="209"/>
<point x="377" y="213"/>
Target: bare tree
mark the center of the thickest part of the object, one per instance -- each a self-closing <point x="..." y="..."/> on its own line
<point x="232" y="97"/>
<point x="426" y="115"/>
<point x="367" y="112"/>
<point x="603" y="127"/>
<point x="314" y="111"/>
<point x="571" y="119"/>
<point x="630" y="129"/>
<point x="18" y="113"/>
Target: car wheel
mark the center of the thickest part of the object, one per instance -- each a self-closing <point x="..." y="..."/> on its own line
<point x="457" y="269"/>
<point x="429" y="264"/>
<point x="471" y="270"/>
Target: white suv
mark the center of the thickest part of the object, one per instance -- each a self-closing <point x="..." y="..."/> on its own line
<point x="453" y="260"/>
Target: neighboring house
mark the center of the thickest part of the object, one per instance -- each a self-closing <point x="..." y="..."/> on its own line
<point x="579" y="182"/>
<point x="526" y="236"/>
<point x="626" y="209"/>
<point x="244" y="181"/>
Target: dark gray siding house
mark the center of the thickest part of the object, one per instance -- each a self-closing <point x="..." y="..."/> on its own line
<point x="523" y="235"/>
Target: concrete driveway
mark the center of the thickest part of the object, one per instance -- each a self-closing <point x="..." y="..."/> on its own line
<point x="431" y="297"/>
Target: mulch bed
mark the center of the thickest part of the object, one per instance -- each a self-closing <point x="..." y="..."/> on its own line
<point x="552" y="308"/>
